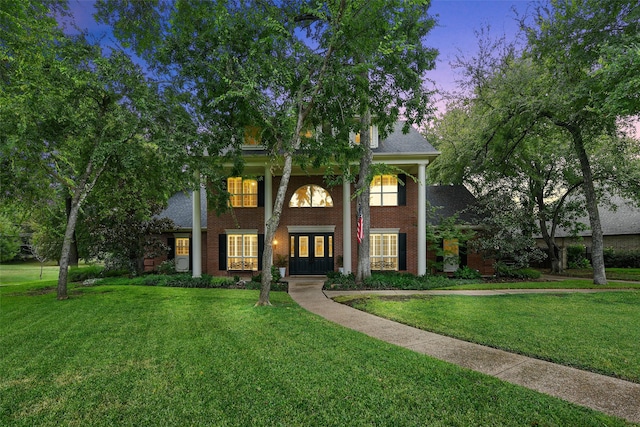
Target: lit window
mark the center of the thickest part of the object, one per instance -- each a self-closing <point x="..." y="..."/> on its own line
<point x="383" y="251"/>
<point x="252" y="135"/>
<point x="242" y="252"/>
<point x="243" y="192"/>
<point x="383" y="191"/>
<point x="182" y="246"/>
<point x="311" y="196"/>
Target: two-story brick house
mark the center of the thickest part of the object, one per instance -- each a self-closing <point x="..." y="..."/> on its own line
<point x="317" y="231"/>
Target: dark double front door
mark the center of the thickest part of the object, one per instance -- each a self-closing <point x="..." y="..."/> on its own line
<point x="310" y="253"/>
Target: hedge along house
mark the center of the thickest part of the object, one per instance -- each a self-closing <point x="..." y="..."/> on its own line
<point x="317" y="230"/>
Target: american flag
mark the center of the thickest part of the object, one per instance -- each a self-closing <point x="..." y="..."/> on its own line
<point x="360" y="230"/>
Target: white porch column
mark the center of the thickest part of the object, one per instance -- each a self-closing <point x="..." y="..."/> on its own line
<point x="196" y="239"/>
<point x="422" y="219"/>
<point x="346" y="226"/>
<point x="268" y="199"/>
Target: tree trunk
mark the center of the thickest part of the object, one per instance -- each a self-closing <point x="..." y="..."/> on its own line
<point x="73" y="251"/>
<point x="66" y="245"/>
<point x="363" y="269"/>
<point x="597" y="243"/>
<point x="270" y="230"/>
<point x="552" y="249"/>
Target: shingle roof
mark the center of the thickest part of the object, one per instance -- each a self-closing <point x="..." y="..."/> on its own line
<point x="398" y="142"/>
<point x="450" y="200"/>
<point x="623" y="220"/>
<point x="180" y="207"/>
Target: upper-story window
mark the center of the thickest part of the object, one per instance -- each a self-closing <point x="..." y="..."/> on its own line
<point x="383" y="191"/>
<point x="373" y="137"/>
<point x="311" y="196"/>
<point x="252" y="136"/>
<point x="243" y="192"/>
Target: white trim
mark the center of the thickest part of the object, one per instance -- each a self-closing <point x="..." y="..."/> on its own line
<point x="311" y="228"/>
<point x="196" y="242"/>
<point x="346" y="226"/>
<point x="241" y="231"/>
<point x="422" y="220"/>
<point x="384" y="231"/>
<point x="182" y="235"/>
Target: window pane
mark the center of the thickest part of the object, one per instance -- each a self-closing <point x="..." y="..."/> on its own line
<point x="304" y="246"/>
<point x="292" y="247"/>
<point x="330" y="248"/>
<point x="243" y="252"/>
<point x="319" y="247"/>
<point x="252" y="135"/>
<point x="182" y="246"/>
<point x="384" y="191"/>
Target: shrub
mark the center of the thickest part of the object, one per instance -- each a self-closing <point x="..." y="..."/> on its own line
<point x="467" y="273"/>
<point x="84" y="273"/>
<point x="517" y="273"/>
<point x="621" y="258"/>
<point x="186" y="281"/>
<point x="167" y="267"/>
<point x="388" y="280"/>
<point x="576" y="257"/>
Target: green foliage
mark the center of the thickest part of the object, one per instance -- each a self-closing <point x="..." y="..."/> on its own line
<point x="507" y="271"/>
<point x="84" y="273"/>
<point x="390" y="280"/>
<point x="576" y="257"/>
<point x="9" y="239"/>
<point x="167" y="267"/>
<point x="622" y="258"/>
<point x="467" y="273"/>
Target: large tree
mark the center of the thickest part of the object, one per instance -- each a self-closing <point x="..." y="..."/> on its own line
<point x="67" y="110"/>
<point x="582" y="48"/>
<point x="283" y="67"/>
<point x="563" y="80"/>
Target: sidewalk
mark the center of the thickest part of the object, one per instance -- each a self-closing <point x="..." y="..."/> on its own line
<point x="609" y="395"/>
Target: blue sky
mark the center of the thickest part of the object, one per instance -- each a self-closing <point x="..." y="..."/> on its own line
<point x="457" y="21"/>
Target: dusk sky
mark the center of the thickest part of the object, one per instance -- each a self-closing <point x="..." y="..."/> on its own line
<point x="457" y="21"/>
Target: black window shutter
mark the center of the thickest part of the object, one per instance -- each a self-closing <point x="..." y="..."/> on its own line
<point x="260" y="250"/>
<point x="402" y="251"/>
<point x="402" y="190"/>
<point x="171" y="242"/>
<point x="222" y="251"/>
<point x="261" y="192"/>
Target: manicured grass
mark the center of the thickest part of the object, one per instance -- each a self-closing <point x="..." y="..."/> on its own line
<point x="11" y="274"/>
<point x="555" y="284"/>
<point x="598" y="332"/>
<point x="129" y="355"/>
<point x="612" y="273"/>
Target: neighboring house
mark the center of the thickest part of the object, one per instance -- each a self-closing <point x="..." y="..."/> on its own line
<point x="620" y="229"/>
<point x="455" y="200"/>
<point x="318" y="223"/>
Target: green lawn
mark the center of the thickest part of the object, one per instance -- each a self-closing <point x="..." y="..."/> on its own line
<point x="554" y="284"/>
<point x="612" y="273"/>
<point x="130" y="355"/>
<point x="11" y="274"/>
<point x="598" y="332"/>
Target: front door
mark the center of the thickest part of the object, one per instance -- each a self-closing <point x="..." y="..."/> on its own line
<point x="310" y="253"/>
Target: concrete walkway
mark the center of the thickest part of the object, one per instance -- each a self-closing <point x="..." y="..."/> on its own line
<point x="609" y="395"/>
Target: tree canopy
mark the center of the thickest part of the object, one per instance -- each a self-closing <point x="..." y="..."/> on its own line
<point x="283" y="67"/>
<point x="548" y="109"/>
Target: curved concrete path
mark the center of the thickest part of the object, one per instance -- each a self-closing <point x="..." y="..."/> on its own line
<point x="606" y="394"/>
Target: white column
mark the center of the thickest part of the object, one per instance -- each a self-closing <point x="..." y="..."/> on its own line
<point x="346" y="226"/>
<point x="268" y="199"/>
<point x="422" y="219"/>
<point x="196" y="240"/>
